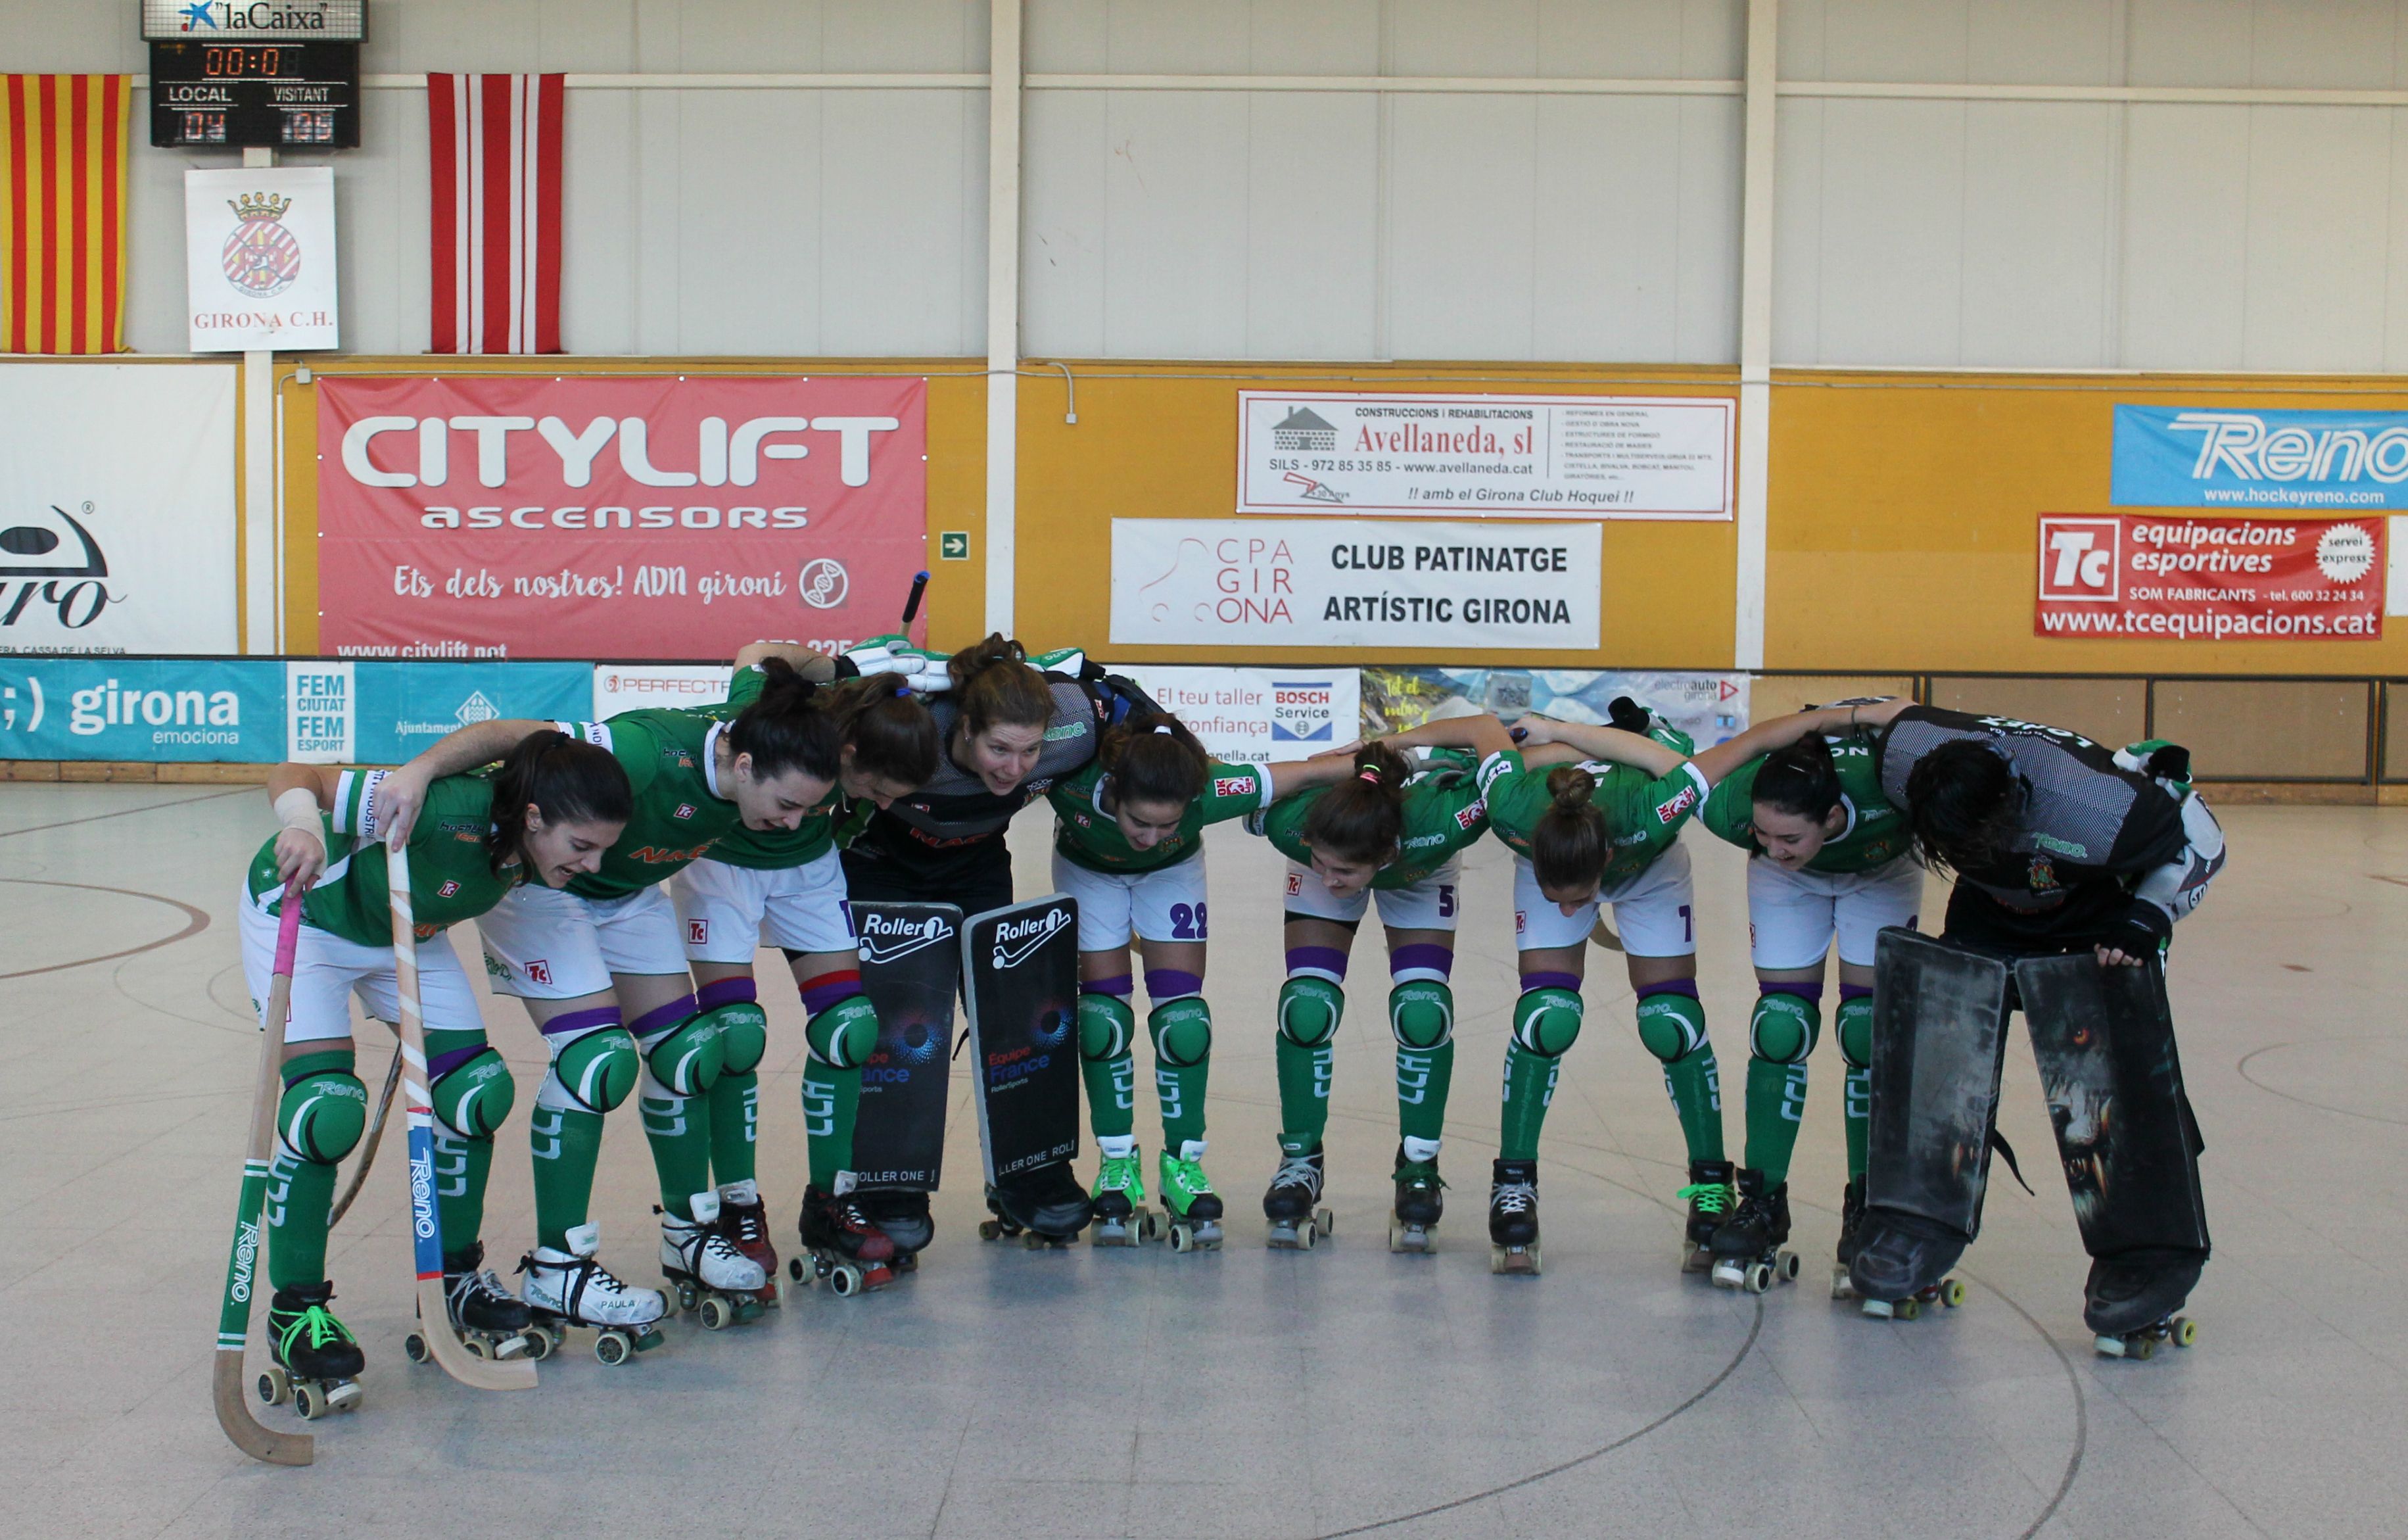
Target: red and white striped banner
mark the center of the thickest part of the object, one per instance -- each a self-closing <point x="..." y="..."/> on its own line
<point x="496" y="149"/>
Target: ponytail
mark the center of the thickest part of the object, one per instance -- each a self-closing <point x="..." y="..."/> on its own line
<point x="783" y="731"/>
<point x="1568" y="844"/>
<point x="1798" y="779"/>
<point x="996" y="687"/>
<point x="893" y="737"/>
<point x="1153" y="757"/>
<point x="566" y="779"/>
<point x="1361" y="819"/>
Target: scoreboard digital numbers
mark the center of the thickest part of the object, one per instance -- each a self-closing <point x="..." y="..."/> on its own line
<point x="237" y="73"/>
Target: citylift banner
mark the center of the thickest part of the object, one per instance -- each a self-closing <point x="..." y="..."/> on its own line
<point x="2179" y="577"/>
<point x="664" y="517"/>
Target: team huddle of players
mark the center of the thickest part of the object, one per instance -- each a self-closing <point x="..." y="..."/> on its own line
<point x="622" y="875"/>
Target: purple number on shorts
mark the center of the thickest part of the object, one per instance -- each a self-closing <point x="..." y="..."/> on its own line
<point x="1688" y="927"/>
<point x="844" y="907"/>
<point x="1187" y="921"/>
<point x="1446" y="901"/>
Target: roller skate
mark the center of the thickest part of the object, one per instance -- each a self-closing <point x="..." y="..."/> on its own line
<point x="1513" y="1217"/>
<point x="1709" y="1196"/>
<point x="1190" y="1207"/>
<point x="492" y="1322"/>
<point x="850" y="1253"/>
<point x="744" y="1223"/>
<point x="565" y="1289"/>
<point x="315" y="1363"/>
<point x="1293" y="1204"/>
<point x="1901" y="1266"/>
<point x="901" y="1215"/>
<point x="2130" y="1303"/>
<point x="1747" y="1247"/>
<point x="719" y="1284"/>
<point x="1420" y="1198"/>
<point x="1046" y="1207"/>
<point x="1852" y="1212"/>
<point x="1122" y="1218"/>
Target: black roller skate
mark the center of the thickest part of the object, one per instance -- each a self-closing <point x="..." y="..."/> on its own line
<point x="1901" y="1265"/>
<point x="1711" y="1197"/>
<point x="1046" y="1207"/>
<point x="316" y="1362"/>
<point x="565" y="1289"/>
<point x="2130" y="1302"/>
<point x="1749" y="1251"/>
<point x="1421" y="1198"/>
<point x="1191" y="1209"/>
<point x="744" y="1224"/>
<point x="850" y="1253"/>
<point x="1122" y="1218"/>
<point x="1513" y="1217"/>
<point x="1852" y="1213"/>
<point x="1293" y="1204"/>
<point x="902" y="1215"/>
<point x="492" y="1322"/>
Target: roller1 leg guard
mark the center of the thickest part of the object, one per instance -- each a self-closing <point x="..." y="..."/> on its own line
<point x="731" y="1011"/>
<point x="473" y="1094"/>
<point x="1311" y="1005"/>
<point x="1787" y="1021"/>
<point x="1547" y="1023"/>
<point x="594" y="1066"/>
<point x="682" y="1061"/>
<point x="840" y="1035"/>
<point x="1180" y="1025"/>
<point x="323" y="1112"/>
<point x="1421" y="1016"/>
<point x="1108" y="1059"/>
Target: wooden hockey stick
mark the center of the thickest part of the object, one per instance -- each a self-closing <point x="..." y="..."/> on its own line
<point x="425" y="1227"/>
<point x="375" y="1137"/>
<point x="243" y="1268"/>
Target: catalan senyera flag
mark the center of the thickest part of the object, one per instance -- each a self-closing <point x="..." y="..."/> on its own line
<point x="494" y="142"/>
<point x="62" y="214"/>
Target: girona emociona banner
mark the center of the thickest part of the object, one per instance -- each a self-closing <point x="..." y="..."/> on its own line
<point x="2180" y="577"/>
<point x="640" y="517"/>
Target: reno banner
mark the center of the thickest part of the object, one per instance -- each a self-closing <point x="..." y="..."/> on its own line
<point x="2176" y="576"/>
<point x="494" y="516"/>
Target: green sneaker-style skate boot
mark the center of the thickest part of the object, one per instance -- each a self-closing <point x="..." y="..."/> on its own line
<point x="1711" y="1194"/>
<point x="1193" y="1207"/>
<point x="1122" y="1218"/>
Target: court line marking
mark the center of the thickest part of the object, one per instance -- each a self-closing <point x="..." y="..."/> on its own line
<point x="122" y="812"/>
<point x="198" y="921"/>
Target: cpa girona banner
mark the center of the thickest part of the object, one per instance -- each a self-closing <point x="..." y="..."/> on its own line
<point x="2172" y="576"/>
<point x="492" y="517"/>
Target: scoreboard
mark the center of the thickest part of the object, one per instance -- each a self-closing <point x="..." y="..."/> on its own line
<point x="238" y="73"/>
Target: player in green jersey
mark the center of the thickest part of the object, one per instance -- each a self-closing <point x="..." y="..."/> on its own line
<point x="1387" y="831"/>
<point x="1128" y="844"/>
<point x="544" y="815"/>
<point x="602" y="968"/>
<point x="1583" y="835"/>
<point x="1830" y="858"/>
<point x="786" y="889"/>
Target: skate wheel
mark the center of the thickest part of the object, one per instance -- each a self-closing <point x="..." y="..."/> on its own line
<point x="1907" y="1310"/>
<point x="647" y="1338"/>
<point x="612" y="1346"/>
<point x="1149" y="1225"/>
<point x="1952" y="1292"/>
<point x="346" y="1397"/>
<point x="1787" y="1266"/>
<point x="2186" y="1331"/>
<point x="906" y="1262"/>
<point x="688" y="1297"/>
<point x="538" y="1344"/>
<point x="274" y="1386"/>
<point x="1842" y="1285"/>
<point x="1727" y="1274"/>
<point x="1307" y="1233"/>
<point x="1182" y="1239"/>
<point x="1534" y="1259"/>
<point x="990" y="1230"/>
<point x="1325" y="1222"/>
<point x="1760" y="1277"/>
<point x="773" y="1294"/>
<point x="844" y="1280"/>
<point x="413" y="1347"/>
<point x="716" y="1315"/>
<point x="1496" y="1259"/>
<point x="557" y="1333"/>
<point x="477" y="1347"/>
<point x="2108" y="1348"/>
<point x="309" y="1400"/>
<point x="2145" y="1348"/>
<point x="794" y="1269"/>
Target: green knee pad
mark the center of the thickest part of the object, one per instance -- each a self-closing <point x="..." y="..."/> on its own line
<point x="325" y="1108"/>
<point x="845" y="1034"/>
<point x="1107" y="1027"/>
<point x="473" y="1098"/>
<point x="687" y="1058"/>
<point x="598" y="1070"/>
<point x="1673" y="1026"/>
<point x="1308" y="1009"/>
<point x="1785" y="1028"/>
<point x="1855" y="1029"/>
<point x="743" y="1035"/>
<point x="1182" y="1031"/>
<point x="1547" y="1021"/>
<point x="1422" y="1013"/>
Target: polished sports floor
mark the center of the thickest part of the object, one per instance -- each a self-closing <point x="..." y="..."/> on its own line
<point x="1245" y="1393"/>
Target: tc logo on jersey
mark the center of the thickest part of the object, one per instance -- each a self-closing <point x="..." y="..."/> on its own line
<point x="449" y="890"/>
<point x="1667" y="812"/>
<point x="2081" y="559"/>
<point x="1521" y="921"/>
<point x="540" y="972"/>
<point x="684" y="810"/>
<point x="1233" y="786"/>
<point x="1294" y="884"/>
<point x="698" y="933"/>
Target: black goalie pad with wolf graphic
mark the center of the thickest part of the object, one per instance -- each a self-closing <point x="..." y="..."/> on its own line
<point x="1939" y="1018"/>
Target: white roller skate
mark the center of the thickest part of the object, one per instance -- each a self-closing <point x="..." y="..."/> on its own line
<point x="714" y="1279"/>
<point x="565" y="1289"/>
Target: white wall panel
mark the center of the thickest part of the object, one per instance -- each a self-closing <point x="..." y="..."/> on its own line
<point x="2319" y="190"/>
<point x="1462" y="227"/>
<point x="2037" y="231"/>
<point x="2185" y="237"/>
<point x="1312" y="227"/>
<point x="1064" y="143"/>
<point x="1890" y="280"/>
<point x="1175" y="216"/>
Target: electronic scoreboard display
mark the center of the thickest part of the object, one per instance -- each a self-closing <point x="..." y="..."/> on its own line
<point x="298" y="95"/>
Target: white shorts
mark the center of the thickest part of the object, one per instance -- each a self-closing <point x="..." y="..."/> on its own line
<point x="1427" y="905"/>
<point x="544" y="943"/>
<point x="1166" y="904"/>
<point x="1792" y="915"/>
<point x="731" y="912"/>
<point x="1654" y="912"/>
<point x="327" y="970"/>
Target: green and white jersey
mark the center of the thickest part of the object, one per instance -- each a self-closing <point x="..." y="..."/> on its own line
<point x="1444" y="815"/>
<point x="680" y="811"/>
<point x="1875" y="834"/>
<point x="1643" y="815"/>
<point x="773" y="849"/>
<point x="1089" y="836"/>
<point x="449" y="877"/>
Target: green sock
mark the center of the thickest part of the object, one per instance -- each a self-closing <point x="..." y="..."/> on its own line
<point x="1856" y="1024"/>
<point x="679" y="1129"/>
<point x="1304" y="1095"/>
<point x="735" y="1126"/>
<point x="1529" y="1085"/>
<point x="1423" y="1078"/>
<point x="568" y="1146"/>
<point x="1695" y="1088"/>
<point x="831" y="1105"/>
<point x="1180" y="1088"/>
<point x="460" y="1168"/>
<point x="300" y="1197"/>
<point x="1111" y="1093"/>
<point x="1776" y="1104"/>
